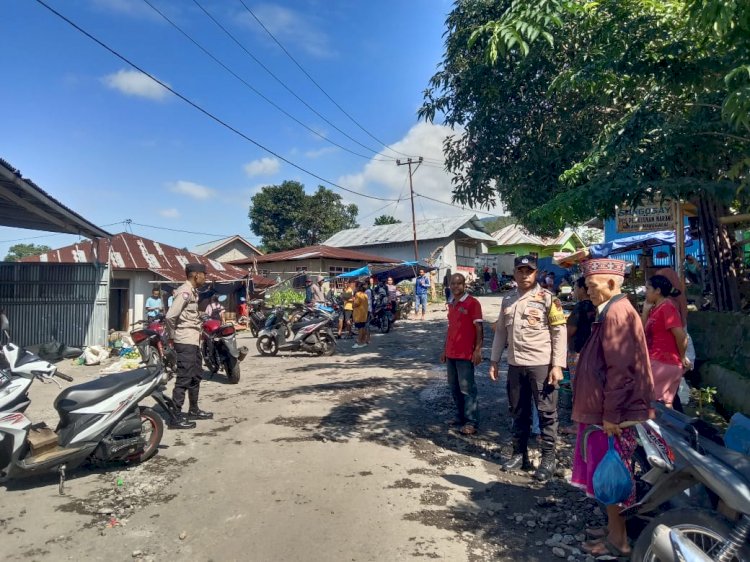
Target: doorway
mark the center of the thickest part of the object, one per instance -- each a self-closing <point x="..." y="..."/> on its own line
<point x="119" y="303"/>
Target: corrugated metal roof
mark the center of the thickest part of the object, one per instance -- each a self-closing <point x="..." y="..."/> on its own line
<point x="431" y="229"/>
<point x="477" y="235"/>
<point x="208" y="247"/>
<point x="312" y="252"/>
<point x="514" y="234"/>
<point x="131" y="252"/>
<point x="23" y="204"/>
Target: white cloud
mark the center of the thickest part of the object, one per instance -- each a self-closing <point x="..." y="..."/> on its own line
<point x="321" y="152"/>
<point x="134" y="83"/>
<point x="290" y="27"/>
<point x="386" y="179"/>
<point x="194" y="190"/>
<point x="262" y="167"/>
<point x="169" y="213"/>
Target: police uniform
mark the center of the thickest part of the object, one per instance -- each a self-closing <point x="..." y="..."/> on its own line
<point x="183" y="323"/>
<point x="533" y="326"/>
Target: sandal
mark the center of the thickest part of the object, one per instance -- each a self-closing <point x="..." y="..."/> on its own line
<point x="592" y="548"/>
<point x="468" y="429"/>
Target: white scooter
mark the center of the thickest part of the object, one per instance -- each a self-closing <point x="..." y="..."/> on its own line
<point x="100" y="420"/>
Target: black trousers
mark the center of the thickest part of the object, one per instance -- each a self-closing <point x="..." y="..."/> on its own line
<point x="524" y="385"/>
<point x="189" y="375"/>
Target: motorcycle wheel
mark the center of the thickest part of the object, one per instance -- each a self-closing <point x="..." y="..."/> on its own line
<point x="152" y="428"/>
<point x="232" y="369"/>
<point x="267" y="345"/>
<point x="254" y="330"/>
<point x="707" y="529"/>
<point x="385" y="324"/>
<point x="152" y="358"/>
<point x="329" y="345"/>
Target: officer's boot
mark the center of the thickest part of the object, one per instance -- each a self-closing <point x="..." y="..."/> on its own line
<point x="194" y="412"/>
<point x="519" y="459"/>
<point x="548" y="464"/>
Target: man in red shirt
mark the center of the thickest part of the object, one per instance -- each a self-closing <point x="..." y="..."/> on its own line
<point x="462" y="351"/>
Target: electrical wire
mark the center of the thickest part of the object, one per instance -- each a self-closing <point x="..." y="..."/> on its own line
<point x="306" y="73"/>
<point x="280" y="81"/>
<point x="255" y="90"/>
<point x="183" y="231"/>
<point x="463" y="208"/>
<point x="205" y="112"/>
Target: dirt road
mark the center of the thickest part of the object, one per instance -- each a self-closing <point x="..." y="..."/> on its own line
<point x="336" y="458"/>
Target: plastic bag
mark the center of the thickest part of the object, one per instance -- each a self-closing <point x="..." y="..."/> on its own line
<point x="690" y="351"/>
<point x="612" y="481"/>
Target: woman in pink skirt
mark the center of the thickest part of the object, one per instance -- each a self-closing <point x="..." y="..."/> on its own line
<point x="666" y="338"/>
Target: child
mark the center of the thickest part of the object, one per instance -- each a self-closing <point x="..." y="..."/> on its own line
<point x="360" y="310"/>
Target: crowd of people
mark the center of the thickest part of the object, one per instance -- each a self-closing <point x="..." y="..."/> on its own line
<point x="619" y="361"/>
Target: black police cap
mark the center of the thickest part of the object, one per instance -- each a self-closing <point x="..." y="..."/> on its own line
<point x="195" y="268"/>
<point x="525" y="261"/>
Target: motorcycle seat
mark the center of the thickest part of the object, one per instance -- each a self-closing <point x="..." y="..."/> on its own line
<point x="733" y="459"/>
<point x="86" y="394"/>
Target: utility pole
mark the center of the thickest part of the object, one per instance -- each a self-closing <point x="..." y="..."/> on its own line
<point x="409" y="162"/>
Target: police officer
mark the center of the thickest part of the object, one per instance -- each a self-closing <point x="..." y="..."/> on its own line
<point x="532" y="323"/>
<point x="183" y="323"/>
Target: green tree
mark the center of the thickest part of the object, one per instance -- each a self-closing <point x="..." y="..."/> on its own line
<point x="18" y="251"/>
<point x="285" y="217"/>
<point x="496" y="223"/>
<point x="386" y="219"/>
<point x="571" y="108"/>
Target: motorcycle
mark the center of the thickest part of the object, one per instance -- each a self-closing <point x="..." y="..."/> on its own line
<point x="405" y="306"/>
<point x="313" y="335"/>
<point x="100" y="420"/>
<point x="154" y="345"/>
<point x="382" y="315"/>
<point x="698" y="496"/>
<point x="257" y="316"/>
<point x="219" y="348"/>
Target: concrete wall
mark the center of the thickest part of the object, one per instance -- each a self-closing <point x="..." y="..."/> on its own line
<point x="139" y="290"/>
<point x="722" y="342"/>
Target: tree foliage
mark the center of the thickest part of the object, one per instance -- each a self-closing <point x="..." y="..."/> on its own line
<point x="18" y="251"/>
<point x="386" y="219"/>
<point x="570" y="108"/>
<point x="285" y="217"/>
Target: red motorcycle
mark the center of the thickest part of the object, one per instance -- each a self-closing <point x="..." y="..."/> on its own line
<point x="219" y="348"/>
<point x="153" y="343"/>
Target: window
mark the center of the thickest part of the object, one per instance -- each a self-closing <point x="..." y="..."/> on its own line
<point x="301" y="268"/>
<point x="337" y="270"/>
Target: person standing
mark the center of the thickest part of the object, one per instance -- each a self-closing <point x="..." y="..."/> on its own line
<point x="215" y="310"/>
<point x="347" y="297"/>
<point x="154" y="304"/>
<point x="462" y="352"/>
<point x="421" y="289"/>
<point x="447" y="286"/>
<point x="360" y="308"/>
<point x="532" y="323"/>
<point x="613" y="389"/>
<point x="183" y="324"/>
<point x="666" y="338"/>
<point x="317" y="294"/>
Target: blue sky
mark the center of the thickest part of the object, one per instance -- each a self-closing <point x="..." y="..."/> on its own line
<point x="113" y="145"/>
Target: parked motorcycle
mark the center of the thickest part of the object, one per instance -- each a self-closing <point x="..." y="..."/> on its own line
<point x="153" y="343"/>
<point x="405" y="306"/>
<point x="257" y="316"/>
<point x="100" y="420"/>
<point x="313" y="336"/>
<point x="382" y="316"/>
<point x="219" y="348"/>
<point x="703" y="495"/>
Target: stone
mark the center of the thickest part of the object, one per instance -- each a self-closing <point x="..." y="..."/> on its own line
<point x="568" y="539"/>
<point x="105" y="511"/>
<point x="557" y="537"/>
<point x="137" y="554"/>
<point x="580" y="537"/>
<point x="531" y="524"/>
<point x="183" y="535"/>
<point x="559" y="552"/>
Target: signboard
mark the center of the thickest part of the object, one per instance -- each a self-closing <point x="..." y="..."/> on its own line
<point x="648" y="218"/>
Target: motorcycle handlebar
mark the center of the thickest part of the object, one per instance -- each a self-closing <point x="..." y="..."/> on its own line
<point x="64" y="377"/>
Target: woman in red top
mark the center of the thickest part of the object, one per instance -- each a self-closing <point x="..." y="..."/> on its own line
<point x="666" y="338"/>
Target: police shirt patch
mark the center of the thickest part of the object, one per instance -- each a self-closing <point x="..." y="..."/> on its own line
<point x="556" y="316"/>
<point x="186" y="296"/>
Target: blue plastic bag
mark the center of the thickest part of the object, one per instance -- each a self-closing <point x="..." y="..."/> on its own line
<point x="612" y="481"/>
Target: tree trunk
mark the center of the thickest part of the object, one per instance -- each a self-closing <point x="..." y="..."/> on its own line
<point x="718" y="246"/>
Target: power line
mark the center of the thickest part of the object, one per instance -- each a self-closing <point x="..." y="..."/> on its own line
<point x="280" y="81"/>
<point x="180" y="230"/>
<point x="255" y="90"/>
<point x="333" y="101"/>
<point x="205" y="112"/>
<point x="457" y="206"/>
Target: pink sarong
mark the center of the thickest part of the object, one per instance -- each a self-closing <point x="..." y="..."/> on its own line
<point x="596" y="446"/>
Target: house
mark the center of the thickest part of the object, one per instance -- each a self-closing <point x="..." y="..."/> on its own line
<point x="137" y="265"/>
<point x="515" y="239"/>
<point x="43" y="301"/>
<point x="227" y="249"/>
<point x="452" y="242"/>
<point x="324" y="260"/>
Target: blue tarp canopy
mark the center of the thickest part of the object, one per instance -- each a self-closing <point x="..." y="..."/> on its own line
<point x="399" y="271"/>
<point x="637" y="242"/>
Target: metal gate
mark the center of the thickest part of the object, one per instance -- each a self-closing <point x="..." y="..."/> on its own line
<point x="68" y="303"/>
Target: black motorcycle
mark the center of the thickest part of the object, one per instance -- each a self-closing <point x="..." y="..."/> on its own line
<point x="257" y="316"/>
<point x="382" y="316"/>
<point x="312" y="335"/>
